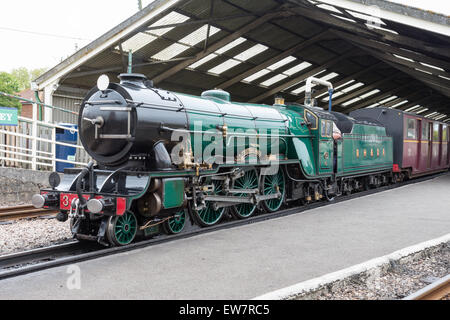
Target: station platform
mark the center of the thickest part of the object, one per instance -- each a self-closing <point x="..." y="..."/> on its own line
<point x="248" y="261"/>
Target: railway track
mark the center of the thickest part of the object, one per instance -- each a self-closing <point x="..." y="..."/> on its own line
<point x="73" y="252"/>
<point x="23" y="212"/>
<point x="438" y="290"/>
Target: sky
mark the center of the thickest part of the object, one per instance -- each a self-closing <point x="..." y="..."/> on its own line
<point x="79" y="22"/>
<point x="65" y="25"/>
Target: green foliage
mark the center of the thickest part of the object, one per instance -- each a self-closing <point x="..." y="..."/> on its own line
<point x="36" y="73"/>
<point x="9" y="84"/>
<point x="25" y="76"/>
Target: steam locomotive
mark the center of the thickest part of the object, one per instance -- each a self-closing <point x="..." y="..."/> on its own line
<point x="163" y="159"/>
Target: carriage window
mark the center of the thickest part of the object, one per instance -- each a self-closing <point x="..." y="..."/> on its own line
<point x="327" y="128"/>
<point x="444" y="134"/>
<point x="425" y="131"/>
<point x="436" y="132"/>
<point x="411" y="129"/>
<point x="311" y="118"/>
<point x="330" y="128"/>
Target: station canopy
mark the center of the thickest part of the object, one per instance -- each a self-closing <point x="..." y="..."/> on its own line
<point x="375" y="52"/>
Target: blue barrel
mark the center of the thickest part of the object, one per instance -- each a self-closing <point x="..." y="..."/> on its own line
<point x="69" y="136"/>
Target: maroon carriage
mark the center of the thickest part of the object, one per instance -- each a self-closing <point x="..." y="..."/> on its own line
<point x="421" y="145"/>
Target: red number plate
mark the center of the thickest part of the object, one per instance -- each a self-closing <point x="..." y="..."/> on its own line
<point x="66" y="200"/>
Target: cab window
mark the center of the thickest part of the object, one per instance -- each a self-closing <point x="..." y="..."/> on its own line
<point x="323" y="129"/>
<point x="411" y="134"/>
<point x="311" y="118"/>
<point x="329" y="128"/>
<point x="444" y="134"/>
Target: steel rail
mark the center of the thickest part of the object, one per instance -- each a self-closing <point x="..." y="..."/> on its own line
<point x="438" y="290"/>
<point x="51" y="257"/>
<point x="23" y="212"/>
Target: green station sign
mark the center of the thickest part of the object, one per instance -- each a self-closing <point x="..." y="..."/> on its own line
<point x="8" y="116"/>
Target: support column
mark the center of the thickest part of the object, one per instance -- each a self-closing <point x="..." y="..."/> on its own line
<point x="48" y="100"/>
<point x="34" y="134"/>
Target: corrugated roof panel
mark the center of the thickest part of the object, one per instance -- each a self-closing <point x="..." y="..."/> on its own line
<point x="141" y="39"/>
<point x="399" y="104"/>
<point x="231" y="45"/>
<point x="137" y="42"/>
<point x="374" y="26"/>
<point x="361" y="97"/>
<point x="198" y="35"/>
<point x="352" y="87"/>
<point x="369" y="18"/>
<point x="325" y="78"/>
<point x="412" y="108"/>
<point x="170" y="52"/>
<point x="297" y="68"/>
<point x="257" y="75"/>
<point x="402" y="57"/>
<point x="274" y="79"/>
<point x="184" y="44"/>
<point x="281" y="63"/>
<point x="329" y="8"/>
<point x="421" y="111"/>
<point x="422" y="71"/>
<point x="431" y="66"/>
<point x="345" y="91"/>
<point x="203" y="61"/>
<point x="344" y="18"/>
<point x="224" y="66"/>
<point x="250" y="53"/>
<point x="171" y="18"/>
<point x="388" y="99"/>
<point x="371" y="93"/>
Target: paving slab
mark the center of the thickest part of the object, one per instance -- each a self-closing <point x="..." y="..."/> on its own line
<point x="248" y="261"/>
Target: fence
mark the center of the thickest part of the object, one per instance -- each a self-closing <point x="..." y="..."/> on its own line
<point x="32" y="144"/>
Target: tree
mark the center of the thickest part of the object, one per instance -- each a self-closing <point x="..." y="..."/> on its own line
<point x="36" y="73"/>
<point x="8" y="84"/>
<point x="25" y="76"/>
<point x="22" y="77"/>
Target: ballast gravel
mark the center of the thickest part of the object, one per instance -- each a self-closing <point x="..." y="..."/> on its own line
<point x="17" y="236"/>
<point x="396" y="281"/>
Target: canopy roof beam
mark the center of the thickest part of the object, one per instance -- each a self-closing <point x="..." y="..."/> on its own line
<point x="302" y="77"/>
<point x="215" y="46"/>
<point x="364" y="89"/>
<point x="377" y="98"/>
<point x="273" y="60"/>
<point x="343" y="81"/>
<point x="384" y="47"/>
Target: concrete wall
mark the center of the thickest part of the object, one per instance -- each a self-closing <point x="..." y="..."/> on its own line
<point x="17" y="186"/>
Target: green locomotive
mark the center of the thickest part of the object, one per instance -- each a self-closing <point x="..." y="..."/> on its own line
<point x="165" y="158"/>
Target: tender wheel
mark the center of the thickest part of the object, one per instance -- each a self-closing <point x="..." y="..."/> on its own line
<point x="176" y="224"/>
<point x="248" y="181"/>
<point x="271" y="185"/>
<point x="122" y="230"/>
<point x="208" y="217"/>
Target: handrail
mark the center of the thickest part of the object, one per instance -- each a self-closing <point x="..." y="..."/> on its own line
<point x="37" y="103"/>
